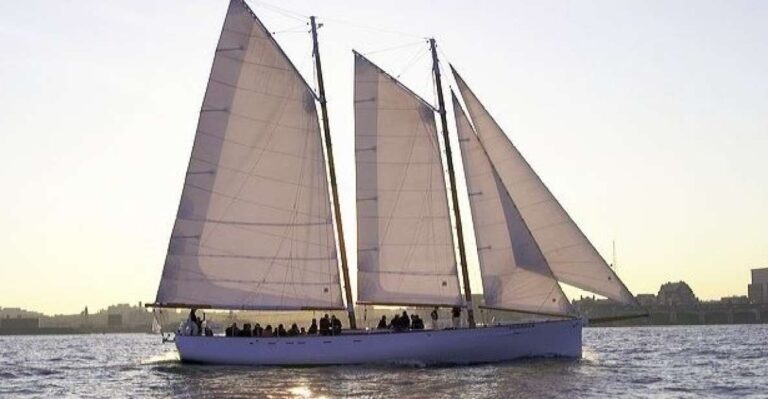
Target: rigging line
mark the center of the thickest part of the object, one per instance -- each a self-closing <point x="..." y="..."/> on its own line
<point x="373" y="28"/>
<point x="282" y="11"/>
<point x="293" y="29"/>
<point x="412" y="61"/>
<point x="393" y="48"/>
<point x="288" y="31"/>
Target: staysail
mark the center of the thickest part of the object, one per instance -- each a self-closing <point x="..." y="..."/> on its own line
<point x="570" y="255"/>
<point x="254" y="229"/>
<point x="514" y="273"/>
<point x="405" y="243"/>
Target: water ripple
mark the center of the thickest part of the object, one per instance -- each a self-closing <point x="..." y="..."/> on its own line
<point x="647" y="362"/>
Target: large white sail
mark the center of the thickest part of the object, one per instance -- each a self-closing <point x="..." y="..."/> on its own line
<point x="405" y="243"/>
<point x="254" y="229"/>
<point x="570" y="255"/>
<point x="514" y="273"/>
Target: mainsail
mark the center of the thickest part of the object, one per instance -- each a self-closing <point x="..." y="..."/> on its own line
<point x="405" y="243"/>
<point x="570" y="255"/>
<point x="514" y="273"/>
<point x="254" y="229"/>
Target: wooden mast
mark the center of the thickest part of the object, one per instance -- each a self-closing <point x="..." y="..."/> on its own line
<point x="452" y="179"/>
<point x="332" y="173"/>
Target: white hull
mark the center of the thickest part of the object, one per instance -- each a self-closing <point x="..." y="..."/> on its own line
<point x="425" y="347"/>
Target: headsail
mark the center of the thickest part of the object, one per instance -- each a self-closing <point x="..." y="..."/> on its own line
<point x="514" y="272"/>
<point x="405" y="243"/>
<point x="570" y="255"/>
<point x="254" y="229"/>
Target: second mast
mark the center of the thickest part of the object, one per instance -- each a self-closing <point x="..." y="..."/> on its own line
<point x="332" y="173"/>
<point x="452" y="179"/>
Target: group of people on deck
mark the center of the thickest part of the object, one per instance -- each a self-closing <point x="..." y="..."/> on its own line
<point x="327" y="326"/>
<point x="403" y="322"/>
<point x="195" y="325"/>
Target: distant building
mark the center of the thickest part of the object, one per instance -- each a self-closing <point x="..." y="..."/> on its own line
<point x="646" y="300"/>
<point x="735" y="300"/>
<point x="676" y="294"/>
<point x="114" y="320"/>
<point x="758" y="290"/>
<point x="20" y="323"/>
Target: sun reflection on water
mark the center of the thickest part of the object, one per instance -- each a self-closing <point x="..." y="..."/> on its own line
<point x="167" y="357"/>
<point x="589" y="354"/>
<point x="304" y="392"/>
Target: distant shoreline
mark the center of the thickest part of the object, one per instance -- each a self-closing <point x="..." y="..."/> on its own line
<point x="73" y="331"/>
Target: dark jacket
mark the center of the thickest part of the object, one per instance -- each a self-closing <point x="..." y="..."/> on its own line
<point x="325" y="326"/>
<point x="336" y="326"/>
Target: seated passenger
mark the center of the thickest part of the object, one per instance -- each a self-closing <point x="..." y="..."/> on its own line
<point x="406" y="322"/>
<point x="434" y="315"/>
<point x="208" y="332"/>
<point x="257" y="330"/>
<point x="335" y="325"/>
<point x="235" y="330"/>
<point x="228" y="331"/>
<point x="395" y="323"/>
<point x="325" y="325"/>
<point x="303" y="331"/>
<point x="246" y="332"/>
<point x="313" y="328"/>
<point x="281" y="331"/>
<point x="382" y="323"/>
<point x="417" y="323"/>
<point x="267" y="331"/>
<point x="294" y="330"/>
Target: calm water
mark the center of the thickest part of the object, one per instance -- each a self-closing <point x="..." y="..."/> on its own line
<point x="709" y="361"/>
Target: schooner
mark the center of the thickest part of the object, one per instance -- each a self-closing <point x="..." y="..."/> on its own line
<point x="258" y="226"/>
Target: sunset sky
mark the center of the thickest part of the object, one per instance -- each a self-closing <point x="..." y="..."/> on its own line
<point x="648" y="120"/>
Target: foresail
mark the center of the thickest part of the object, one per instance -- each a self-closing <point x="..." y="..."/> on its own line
<point x="405" y="244"/>
<point x="254" y="229"/>
<point x="570" y="255"/>
<point x="514" y="273"/>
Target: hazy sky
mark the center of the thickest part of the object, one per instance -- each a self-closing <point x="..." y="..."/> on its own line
<point x="647" y="119"/>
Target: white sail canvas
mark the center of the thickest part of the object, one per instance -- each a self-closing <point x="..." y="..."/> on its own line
<point x="405" y="242"/>
<point x="570" y="255"/>
<point x="514" y="273"/>
<point x="254" y="229"/>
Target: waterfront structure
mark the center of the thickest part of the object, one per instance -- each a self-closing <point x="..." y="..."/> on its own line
<point x="19" y="323"/>
<point x="758" y="289"/>
<point x="676" y="303"/>
<point x="676" y="294"/>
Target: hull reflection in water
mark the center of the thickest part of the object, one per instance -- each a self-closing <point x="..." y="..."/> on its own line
<point x="426" y="347"/>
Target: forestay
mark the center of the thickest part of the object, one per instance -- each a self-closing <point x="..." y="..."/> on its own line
<point x="254" y="229"/>
<point x="405" y="243"/>
<point x="570" y="255"/>
<point x="514" y="273"/>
